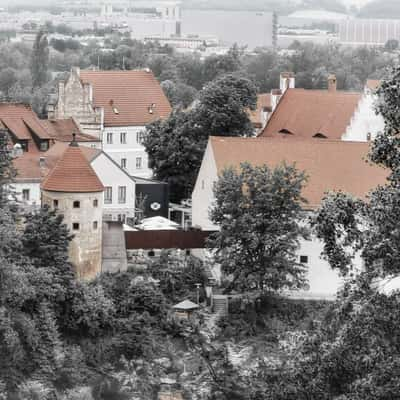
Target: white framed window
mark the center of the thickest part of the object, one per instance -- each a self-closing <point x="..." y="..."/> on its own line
<point x="26" y="194"/>
<point x="140" y="137"/>
<point x="121" y="194"/>
<point x="109" y="138"/>
<point x="123" y="163"/>
<point x="122" y="137"/>
<point x="108" y="195"/>
<point x="138" y="162"/>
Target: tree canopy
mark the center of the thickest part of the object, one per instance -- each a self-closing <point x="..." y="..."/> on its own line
<point x="259" y="213"/>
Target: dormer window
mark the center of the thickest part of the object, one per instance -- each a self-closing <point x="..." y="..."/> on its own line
<point x="151" y="108"/>
<point x="320" y="136"/>
<point x="113" y="107"/>
<point x="285" y="131"/>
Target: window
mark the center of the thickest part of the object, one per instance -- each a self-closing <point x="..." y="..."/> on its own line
<point x="122" y="137"/>
<point x="109" y="138"/>
<point x="121" y="194"/>
<point x="95" y="225"/>
<point x="140" y="137"/>
<point x="44" y="145"/>
<point x="95" y="203"/>
<point x="123" y="163"/>
<point x="304" y="259"/>
<point x="151" y="253"/>
<point x="203" y="185"/>
<point x="55" y="203"/>
<point x="108" y="195"/>
<point x="77" y="204"/>
<point x="25" y="194"/>
<point x="121" y="218"/>
<point x="138" y="162"/>
<point x="75" y="226"/>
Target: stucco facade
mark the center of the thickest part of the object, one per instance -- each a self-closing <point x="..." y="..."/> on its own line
<point x="365" y="123"/>
<point x="85" y="223"/>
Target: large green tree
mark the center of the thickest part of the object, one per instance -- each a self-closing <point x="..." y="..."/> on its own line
<point x="7" y="171"/>
<point x="259" y="212"/>
<point x="176" y="145"/>
<point x="40" y="60"/>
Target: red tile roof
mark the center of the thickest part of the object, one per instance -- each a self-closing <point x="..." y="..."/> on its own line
<point x="62" y="130"/>
<point x="28" y="164"/>
<point x="127" y="96"/>
<point x="305" y="113"/>
<point x="22" y="121"/>
<point x="330" y="165"/>
<point x="373" y="84"/>
<point x="72" y="173"/>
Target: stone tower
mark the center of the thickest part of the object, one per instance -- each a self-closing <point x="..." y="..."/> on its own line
<point x="73" y="188"/>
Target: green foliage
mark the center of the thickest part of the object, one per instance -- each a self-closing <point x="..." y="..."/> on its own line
<point x="7" y="171"/>
<point x="178" y="278"/>
<point x="176" y="145"/>
<point x="259" y="211"/>
<point x="40" y="60"/>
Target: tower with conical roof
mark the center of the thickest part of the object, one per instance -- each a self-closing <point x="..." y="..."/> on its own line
<point x="73" y="188"/>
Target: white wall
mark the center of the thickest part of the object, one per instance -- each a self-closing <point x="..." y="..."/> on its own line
<point x="34" y="192"/>
<point x="364" y="120"/>
<point x="131" y="150"/>
<point x="112" y="176"/>
<point x="202" y="196"/>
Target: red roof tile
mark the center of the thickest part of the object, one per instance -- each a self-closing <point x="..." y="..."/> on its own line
<point x="330" y="165"/>
<point x="127" y="96"/>
<point x="62" y="130"/>
<point x="306" y="113"/>
<point x="72" y="173"/>
<point x="21" y="120"/>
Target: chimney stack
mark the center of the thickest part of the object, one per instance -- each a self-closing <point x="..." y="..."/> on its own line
<point x="287" y="81"/>
<point x="332" y="83"/>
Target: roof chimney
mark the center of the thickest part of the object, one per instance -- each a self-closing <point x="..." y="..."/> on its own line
<point x="286" y="81"/>
<point x="332" y="83"/>
<point x="74" y="143"/>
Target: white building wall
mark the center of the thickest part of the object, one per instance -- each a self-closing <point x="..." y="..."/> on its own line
<point x="132" y="150"/>
<point x="365" y="120"/>
<point x="34" y="192"/>
<point x="112" y="176"/>
<point x="202" y="196"/>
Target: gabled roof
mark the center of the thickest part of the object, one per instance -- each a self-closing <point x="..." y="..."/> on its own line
<point x="129" y="98"/>
<point x="305" y="113"/>
<point x="186" y="305"/>
<point x="62" y="130"/>
<point x="22" y="121"/>
<point x="330" y="165"/>
<point x="72" y="173"/>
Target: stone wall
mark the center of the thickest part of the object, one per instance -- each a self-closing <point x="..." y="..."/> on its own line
<point x="76" y="100"/>
<point x="85" y="250"/>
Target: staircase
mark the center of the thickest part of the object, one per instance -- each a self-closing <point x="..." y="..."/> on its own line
<point x="220" y="305"/>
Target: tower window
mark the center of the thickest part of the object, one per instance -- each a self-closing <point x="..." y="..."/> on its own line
<point x="77" y="204"/>
<point x="95" y="225"/>
<point x="75" y="226"/>
<point x="25" y="194"/>
<point x="304" y="259"/>
<point x="95" y="203"/>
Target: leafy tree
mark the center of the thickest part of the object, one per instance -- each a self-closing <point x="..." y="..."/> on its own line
<point x="7" y="171"/>
<point x="259" y="212"/>
<point x="175" y="148"/>
<point x="179" y="94"/>
<point x="8" y="78"/>
<point x="40" y="60"/>
<point x="223" y="105"/>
